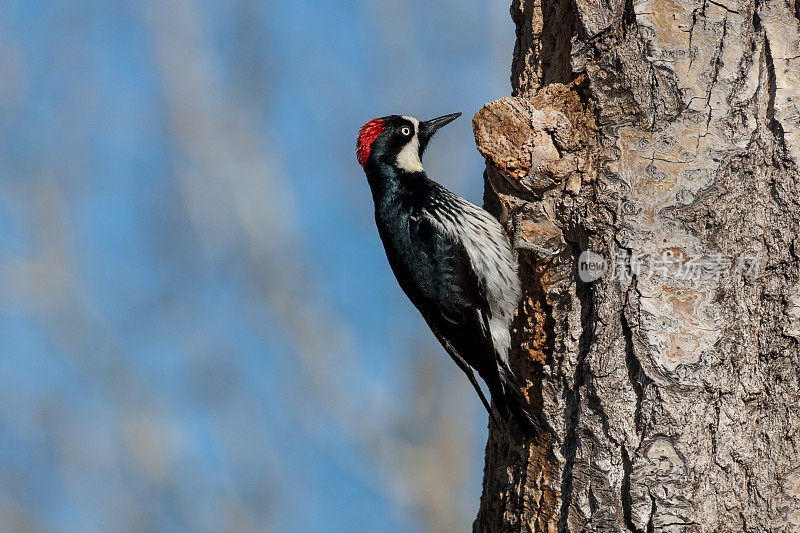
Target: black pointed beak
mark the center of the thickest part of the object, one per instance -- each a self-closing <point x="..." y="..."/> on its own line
<point x="428" y="128"/>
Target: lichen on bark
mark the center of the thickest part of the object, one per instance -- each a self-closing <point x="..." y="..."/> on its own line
<point x="661" y="132"/>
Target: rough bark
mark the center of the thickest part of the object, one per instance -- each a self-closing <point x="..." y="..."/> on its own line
<point x="664" y="136"/>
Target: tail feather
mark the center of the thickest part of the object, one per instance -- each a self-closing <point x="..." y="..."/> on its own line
<point x="518" y="405"/>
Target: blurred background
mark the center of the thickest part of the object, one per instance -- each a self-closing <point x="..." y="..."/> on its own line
<point x="198" y="327"/>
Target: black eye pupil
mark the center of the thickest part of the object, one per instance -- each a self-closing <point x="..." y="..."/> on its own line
<point x="405" y="130"/>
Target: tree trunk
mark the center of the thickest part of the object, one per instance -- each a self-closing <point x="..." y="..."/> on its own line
<point x="662" y="136"/>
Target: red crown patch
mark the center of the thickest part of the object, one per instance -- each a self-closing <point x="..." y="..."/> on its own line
<point x="366" y="136"/>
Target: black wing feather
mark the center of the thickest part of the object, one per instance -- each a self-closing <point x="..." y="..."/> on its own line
<point x="455" y="308"/>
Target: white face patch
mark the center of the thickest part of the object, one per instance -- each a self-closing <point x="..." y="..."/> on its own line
<point x="408" y="158"/>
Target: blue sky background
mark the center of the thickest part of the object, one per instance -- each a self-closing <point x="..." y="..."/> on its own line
<point x="198" y="327"/>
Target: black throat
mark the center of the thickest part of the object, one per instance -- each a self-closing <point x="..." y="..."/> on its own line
<point x="387" y="182"/>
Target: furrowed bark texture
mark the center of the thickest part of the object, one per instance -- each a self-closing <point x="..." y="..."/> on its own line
<point x="664" y="136"/>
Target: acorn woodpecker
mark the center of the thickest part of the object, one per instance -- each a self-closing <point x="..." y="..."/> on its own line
<point x="452" y="258"/>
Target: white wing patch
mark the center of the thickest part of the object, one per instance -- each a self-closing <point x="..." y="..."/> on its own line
<point x="495" y="264"/>
<point x="408" y="158"/>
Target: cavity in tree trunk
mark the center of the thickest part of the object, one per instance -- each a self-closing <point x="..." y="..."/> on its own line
<point x="662" y="136"/>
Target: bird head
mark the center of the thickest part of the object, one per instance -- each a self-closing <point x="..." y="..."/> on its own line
<point x="398" y="141"/>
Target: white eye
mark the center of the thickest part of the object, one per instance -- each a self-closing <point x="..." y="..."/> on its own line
<point x="405" y="131"/>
